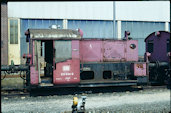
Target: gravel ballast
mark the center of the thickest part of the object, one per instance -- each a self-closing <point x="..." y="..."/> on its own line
<point x="152" y="101"/>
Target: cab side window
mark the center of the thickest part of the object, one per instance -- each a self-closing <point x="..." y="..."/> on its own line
<point x="150" y="46"/>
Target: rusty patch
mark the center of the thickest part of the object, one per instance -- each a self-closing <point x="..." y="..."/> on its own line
<point x="140" y="65"/>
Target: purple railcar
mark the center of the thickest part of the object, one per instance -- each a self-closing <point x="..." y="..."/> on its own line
<point x="158" y="46"/>
<point x="158" y="56"/>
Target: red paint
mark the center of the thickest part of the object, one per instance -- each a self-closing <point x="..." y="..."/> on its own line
<point x="139" y="69"/>
<point x="80" y="31"/>
<point x="75" y="49"/>
<point x="67" y="72"/>
<point x="91" y="51"/>
<point x="33" y="53"/>
<point x="113" y="51"/>
<point x="28" y="56"/>
<point x="110" y="50"/>
<point x="34" y="76"/>
<point x="132" y="54"/>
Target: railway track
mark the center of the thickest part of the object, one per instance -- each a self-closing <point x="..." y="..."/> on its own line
<point x="155" y="87"/>
<point x="73" y="91"/>
<point x="14" y="93"/>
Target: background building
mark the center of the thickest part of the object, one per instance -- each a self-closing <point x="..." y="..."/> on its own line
<point x="95" y="19"/>
<point x="4" y="34"/>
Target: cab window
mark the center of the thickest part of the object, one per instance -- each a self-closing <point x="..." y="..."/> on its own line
<point x="150" y="46"/>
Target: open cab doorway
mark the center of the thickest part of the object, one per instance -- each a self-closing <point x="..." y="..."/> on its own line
<point x="46" y="62"/>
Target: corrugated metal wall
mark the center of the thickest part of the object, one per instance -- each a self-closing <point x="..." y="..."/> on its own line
<point x="36" y="24"/>
<point x="93" y="28"/>
<point x="4" y="35"/>
<point x="92" y="10"/>
<point x="140" y="30"/>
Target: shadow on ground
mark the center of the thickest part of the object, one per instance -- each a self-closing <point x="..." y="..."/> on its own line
<point x="73" y="91"/>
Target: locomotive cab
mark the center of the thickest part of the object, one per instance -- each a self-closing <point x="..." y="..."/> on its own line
<point x="61" y="58"/>
<point x="52" y="58"/>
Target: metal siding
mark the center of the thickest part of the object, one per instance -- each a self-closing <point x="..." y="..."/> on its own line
<point x="4" y="35"/>
<point x="93" y="28"/>
<point x="139" y="69"/>
<point x="37" y="24"/>
<point x="143" y="10"/>
<point x="67" y="72"/>
<point x="67" y="10"/>
<point x="91" y="51"/>
<point x="34" y="76"/>
<point x="140" y="30"/>
<point x="134" y="10"/>
<point x="113" y="51"/>
<point x="132" y="54"/>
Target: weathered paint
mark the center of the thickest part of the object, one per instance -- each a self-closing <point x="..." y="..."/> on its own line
<point x="34" y="76"/>
<point x="14" y="49"/>
<point x="108" y="50"/>
<point x="67" y="72"/>
<point x="113" y="51"/>
<point x="75" y="49"/>
<point x="54" y="34"/>
<point x="117" y="69"/>
<point x="159" y="52"/>
<point x="91" y="51"/>
<point x="139" y="69"/>
<point x="131" y="53"/>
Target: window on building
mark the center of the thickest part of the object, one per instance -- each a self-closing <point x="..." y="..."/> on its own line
<point x="168" y="45"/>
<point x="150" y="46"/>
<point x="13" y="31"/>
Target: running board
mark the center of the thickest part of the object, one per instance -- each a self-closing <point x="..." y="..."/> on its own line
<point x="90" y="84"/>
<point x="108" y="84"/>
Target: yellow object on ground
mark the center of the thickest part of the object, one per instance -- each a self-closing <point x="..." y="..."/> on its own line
<point x="75" y="101"/>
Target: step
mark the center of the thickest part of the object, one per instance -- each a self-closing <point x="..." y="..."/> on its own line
<point x="46" y="84"/>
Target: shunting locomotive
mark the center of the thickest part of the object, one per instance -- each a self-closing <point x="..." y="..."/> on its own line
<point x="62" y="58"/>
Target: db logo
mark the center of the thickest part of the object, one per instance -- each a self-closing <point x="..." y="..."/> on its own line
<point x="66" y="68"/>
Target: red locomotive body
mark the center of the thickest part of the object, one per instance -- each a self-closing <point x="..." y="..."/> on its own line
<point x="61" y="58"/>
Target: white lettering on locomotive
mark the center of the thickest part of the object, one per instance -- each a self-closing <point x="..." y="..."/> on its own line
<point x="67" y="74"/>
<point x="75" y="78"/>
<point x="58" y="78"/>
<point x="67" y="78"/>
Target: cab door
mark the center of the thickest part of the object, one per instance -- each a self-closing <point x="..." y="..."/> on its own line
<point x="66" y="62"/>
